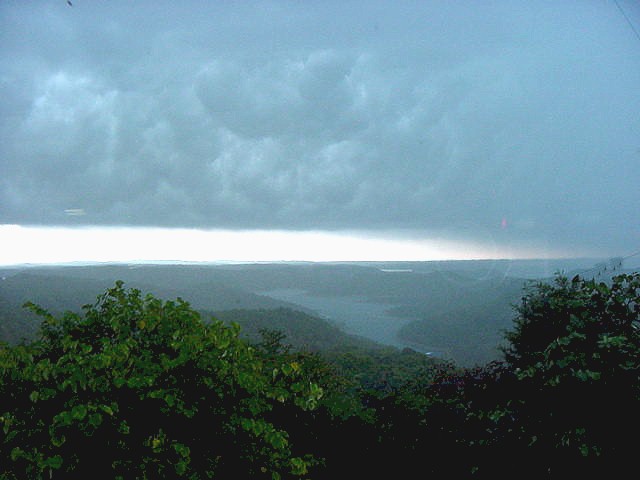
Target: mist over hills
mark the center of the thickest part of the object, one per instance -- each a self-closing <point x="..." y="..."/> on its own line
<point x="456" y="310"/>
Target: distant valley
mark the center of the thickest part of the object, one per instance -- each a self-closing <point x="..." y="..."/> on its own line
<point x="455" y="310"/>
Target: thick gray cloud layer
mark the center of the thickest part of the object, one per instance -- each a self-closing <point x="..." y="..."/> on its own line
<point x="516" y="120"/>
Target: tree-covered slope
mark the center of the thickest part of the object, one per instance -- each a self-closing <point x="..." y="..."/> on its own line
<point x="470" y="334"/>
<point x="61" y="289"/>
<point x="301" y="330"/>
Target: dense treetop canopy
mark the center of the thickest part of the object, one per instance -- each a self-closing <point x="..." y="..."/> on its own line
<point x="143" y="388"/>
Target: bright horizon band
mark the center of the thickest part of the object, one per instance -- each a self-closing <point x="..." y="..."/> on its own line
<point x="31" y="244"/>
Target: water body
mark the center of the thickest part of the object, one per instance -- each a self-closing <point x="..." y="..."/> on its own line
<point x="353" y="314"/>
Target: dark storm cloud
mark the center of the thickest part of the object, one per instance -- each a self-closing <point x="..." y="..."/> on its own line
<point x="510" y="121"/>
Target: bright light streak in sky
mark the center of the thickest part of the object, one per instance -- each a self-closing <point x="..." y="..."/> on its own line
<point x="120" y="244"/>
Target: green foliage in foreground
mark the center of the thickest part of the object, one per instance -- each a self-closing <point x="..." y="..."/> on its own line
<point x="144" y="389"/>
<point x="574" y="353"/>
<point x="566" y="400"/>
<point x="138" y="388"/>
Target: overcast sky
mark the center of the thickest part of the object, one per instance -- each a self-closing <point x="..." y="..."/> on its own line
<point x="506" y="123"/>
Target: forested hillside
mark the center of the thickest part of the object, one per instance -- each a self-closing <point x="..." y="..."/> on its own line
<point x="480" y="319"/>
<point x="301" y="330"/>
<point x="61" y="289"/>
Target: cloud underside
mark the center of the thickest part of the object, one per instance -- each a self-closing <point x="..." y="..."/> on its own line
<point x="385" y="130"/>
